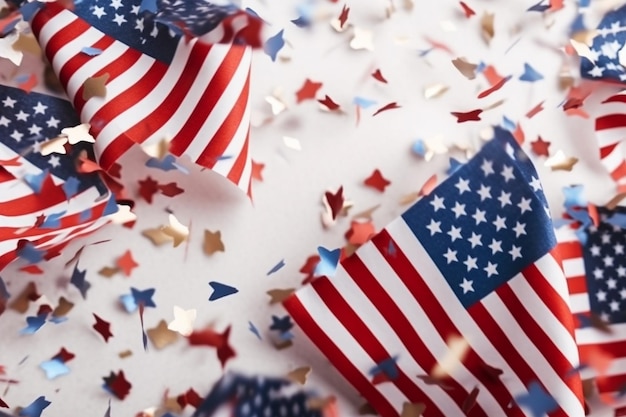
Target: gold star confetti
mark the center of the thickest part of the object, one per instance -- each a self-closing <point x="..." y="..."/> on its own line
<point x="486" y="25"/>
<point x="183" y="321"/>
<point x="22" y="301"/>
<point x="55" y="145"/>
<point x="161" y="336"/>
<point x="412" y="409"/>
<point x="560" y="162"/>
<point x="63" y="308"/>
<point x="78" y="133"/>
<point x="27" y="43"/>
<point x="157" y="236"/>
<point x="363" y="39"/>
<point x="435" y="90"/>
<point x="466" y="68"/>
<point x="176" y="230"/>
<point x="299" y="375"/>
<point x="278" y="295"/>
<point x="213" y="242"/>
<point x="95" y="87"/>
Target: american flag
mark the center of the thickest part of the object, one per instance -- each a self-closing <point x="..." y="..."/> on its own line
<point x="44" y="201"/>
<point x="161" y="81"/>
<point x="604" y="61"/>
<point x="596" y="278"/>
<point x="245" y="396"/>
<point x="610" y="133"/>
<point x="468" y="265"/>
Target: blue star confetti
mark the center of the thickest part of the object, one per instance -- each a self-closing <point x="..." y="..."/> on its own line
<point x="78" y="280"/>
<point x="329" y="259"/>
<point x="35" y="408"/>
<point x="537" y="401"/>
<point x="221" y="290"/>
<point x="274" y="44"/>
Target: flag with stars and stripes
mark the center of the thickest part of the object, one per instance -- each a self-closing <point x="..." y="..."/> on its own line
<point x="141" y="71"/>
<point x="610" y="133"/>
<point x="44" y="201"/>
<point x="596" y="278"/>
<point x="606" y="58"/>
<point x="459" y="305"/>
<point x="245" y="396"/>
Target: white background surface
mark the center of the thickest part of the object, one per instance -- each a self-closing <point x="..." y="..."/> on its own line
<point x="283" y="222"/>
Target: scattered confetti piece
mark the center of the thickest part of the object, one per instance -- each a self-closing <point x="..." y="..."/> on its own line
<point x="560" y="162"/>
<point x="254" y="330"/>
<point x="467" y="11"/>
<point x="537" y="400"/>
<point x="473" y="115"/>
<point x="386" y="107"/>
<point x="377" y="181"/>
<point x="54" y="368"/>
<point x="486" y="24"/>
<point x="35" y="408"/>
<point x="308" y="90"/>
<point x="329" y="104"/>
<point x="117" y="385"/>
<point x="91" y="51"/>
<point x="126" y="263"/>
<point x="274" y="44"/>
<point x="494" y="87"/>
<point x="470" y="400"/>
<point x="360" y="232"/>
<point x="335" y="201"/>
<point x="102" y="327"/>
<point x="378" y="75"/>
<point x="363" y="39"/>
<point x="329" y="259"/>
<point x="540" y="147"/>
<point x="209" y="337"/>
<point x="385" y="370"/>
<point x="530" y="74"/>
<point x="299" y="375"/>
<point x="292" y="143"/>
<point x="412" y="409"/>
<point x="176" y="230"/>
<point x="157" y="237"/>
<point x="221" y="290"/>
<point x="343" y="17"/>
<point x="257" y="170"/>
<point x="162" y="336"/>
<point x="78" y="280"/>
<point x="95" y="87"/>
<point x="77" y="134"/>
<point x="279" y="295"/>
<point x="435" y="90"/>
<point x="213" y="242"/>
<point x="183" y="321"/>
<point x="276" y="267"/>
<point x="532" y="112"/>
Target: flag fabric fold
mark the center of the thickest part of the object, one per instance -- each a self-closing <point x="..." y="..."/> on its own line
<point x="459" y="305"/>
<point x="44" y="201"/>
<point x="610" y="129"/>
<point x="138" y="73"/>
<point x="596" y="278"/>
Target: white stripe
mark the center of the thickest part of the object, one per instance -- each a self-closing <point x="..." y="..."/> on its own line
<point x="591" y="335"/>
<point x="234" y="148"/>
<point x="614" y="159"/>
<point x="617" y="367"/>
<point x="73" y="48"/>
<point x="420" y="323"/>
<point x="574" y="267"/>
<point x="222" y="108"/>
<point x="342" y="338"/>
<point x="51" y="26"/>
<point x="244" y="181"/>
<point x="421" y="261"/>
<point x="580" y="303"/>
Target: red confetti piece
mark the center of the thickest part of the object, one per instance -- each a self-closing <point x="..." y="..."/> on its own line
<point x="308" y="90"/>
<point x="386" y="107"/>
<point x="32" y="269"/>
<point x="493" y="88"/>
<point x="329" y="103"/>
<point x="360" y="232"/>
<point x="473" y="115"/>
<point x="492" y="75"/>
<point x="343" y="17"/>
<point x="3" y="404"/>
<point x="148" y="188"/>
<point x="309" y="268"/>
<point x="467" y="10"/>
<point x="190" y="397"/>
<point x="540" y="147"/>
<point x="438" y="45"/>
<point x="126" y="263"/>
<point x="335" y="201"/>
<point x="29" y="83"/>
<point x="428" y="186"/>
<point x="64" y="355"/>
<point x="118" y="385"/>
<point x="170" y="190"/>
<point x="377" y="181"/>
<point x="470" y="401"/>
<point x="379" y="76"/>
<point x="257" y="170"/>
<point x="102" y="327"/>
<point x="556" y="5"/>
<point x="535" y="110"/>
<point x="518" y="134"/>
<point x="209" y="337"/>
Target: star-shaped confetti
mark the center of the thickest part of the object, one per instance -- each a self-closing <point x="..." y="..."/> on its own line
<point x="335" y="201"/>
<point x="78" y="280"/>
<point x="213" y="242"/>
<point x="126" y="263"/>
<point x="537" y="401"/>
<point x="540" y="147"/>
<point x="183" y="321"/>
<point x="377" y="181"/>
<point x="102" y="327"/>
<point x="308" y="91"/>
<point x="274" y="44"/>
<point x="221" y="290"/>
<point x="35" y="408"/>
<point x="161" y="335"/>
<point x="469" y="116"/>
<point x="117" y="384"/>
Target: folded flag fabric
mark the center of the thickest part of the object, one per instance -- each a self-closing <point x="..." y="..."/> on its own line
<point x="606" y="57"/>
<point x="244" y="396"/>
<point x="137" y="73"/>
<point x="596" y="278"/>
<point x="458" y="306"/>
<point x="610" y="133"/>
<point x="44" y="201"/>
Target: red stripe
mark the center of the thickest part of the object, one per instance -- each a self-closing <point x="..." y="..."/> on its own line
<point x="619" y="172"/>
<point x="210" y="97"/>
<point x="607" y="150"/>
<point x="577" y="285"/>
<point x="339" y="359"/>
<point x="570" y="250"/>
<point x="224" y="135"/>
<point x="613" y="383"/>
<point x="610" y="121"/>
<point x="614" y="349"/>
<point x="236" y="171"/>
<point x="49" y="196"/>
<point x="7" y="176"/>
<point x="370" y="344"/>
<point x="437" y="314"/>
<point x="73" y="64"/>
<point x="402" y="327"/>
<point x="114" y="150"/>
<point x="44" y="14"/>
<point x="616" y="98"/>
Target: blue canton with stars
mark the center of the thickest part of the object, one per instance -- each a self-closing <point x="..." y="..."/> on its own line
<point x="605" y="263"/>
<point x="606" y="48"/>
<point x="486" y="222"/>
<point x="27" y="120"/>
<point x="256" y="397"/>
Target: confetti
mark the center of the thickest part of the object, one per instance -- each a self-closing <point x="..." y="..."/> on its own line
<point x="530" y="74"/>
<point x="95" y="87"/>
<point x="470" y="401"/>
<point x="299" y="375"/>
<point x="183" y="321"/>
<point x="467" y="11"/>
<point x="170" y="190"/>
<point x="537" y="401"/>
<point x="102" y="327"/>
<point x="209" y="337"/>
<point x="328" y="104"/>
<point x="457" y="349"/>
<point x="363" y="39"/>
<point x="277" y="105"/>
<point x="360" y="232"/>
<point x="279" y="295"/>
<point x="386" y="107"/>
<point x="274" y="44"/>
<point x="308" y="90"/>
<point x="78" y="280"/>
<point x="335" y="201"/>
<point x="221" y="290"/>
<point x="560" y="162"/>
<point x="377" y="181"/>
<point x="379" y="76"/>
<point x="54" y="368"/>
<point x="22" y="301"/>
<point x="257" y="170"/>
<point x="494" y="87"/>
<point x="329" y="259"/>
<point x="435" y="91"/>
<point x="148" y="188"/>
<point x="108" y="271"/>
<point x="162" y="336"/>
<point x="213" y="242"/>
<point x="385" y="370"/>
<point x="254" y="330"/>
<point x="532" y="112"/>
<point x="126" y="263"/>
<point x="176" y="230"/>
<point x="539" y="7"/>
<point x="117" y="384"/>
<point x="276" y="267"/>
<point x="157" y="236"/>
<point x="91" y="51"/>
<point x="56" y="145"/>
<point x="343" y="17"/>
<point x="35" y="408"/>
<point x="292" y="143"/>
<point x="77" y="134"/>
<point x="412" y="409"/>
<point x="281" y="324"/>
<point x="34" y="323"/>
<point x="540" y="147"/>
<point x="486" y="24"/>
<point x="473" y="115"/>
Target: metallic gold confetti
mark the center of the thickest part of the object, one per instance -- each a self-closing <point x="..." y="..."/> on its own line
<point x="466" y="68"/>
<point x="560" y="162"/>
<point x="412" y="409"/>
<point x="614" y="202"/>
<point x="27" y="43"/>
<point x="282" y="344"/>
<point x="95" y="87"/>
<point x="22" y="301"/>
<point x="157" y="236"/>
<point x="457" y="349"/>
<point x="213" y="242"/>
<point x="362" y="39"/>
<point x="108" y="271"/>
<point x="486" y="25"/>
<point x="299" y="375"/>
<point x="176" y="230"/>
<point x="125" y="354"/>
<point x="79" y="133"/>
<point x="157" y="150"/>
<point x="55" y="145"/>
<point x="63" y="307"/>
<point x="435" y="90"/>
<point x="409" y="198"/>
<point x="279" y="295"/>
<point x="161" y="336"/>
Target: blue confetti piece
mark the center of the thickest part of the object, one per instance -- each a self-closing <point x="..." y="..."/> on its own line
<point x="301" y="22"/>
<point x="578" y="25"/>
<point x="286" y="336"/>
<point x="539" y="7"/>
<point x="387" y="367"/>
<point x="391" y="248"/>
<point x="582" y="236"/>
<point x="165" y="164"/>
<point x="581" y="216"/>
<point x="454" y="165"/>
<point x="4" y="293"/>
<point x="530" y="74"/>
<point x="424" y="52"/>
<point x="221" y="290"/>
<point x="70" y="187"/>
<point x="480" y="67"/>
<point x="35" y="181"/>
<point x="9" y="28"/>
<point x="363" y="102"/>
<point x="537" y="401"/>
<point x="54" y="368"/>
<point x="252" y="13"/>
<point x="30" y="253"/>
<point x="52" y="221"/>
<point x="34" y="323"/>
<point x="328" y="261"/>
<point x="128" y="302"/>
<point x="274" y="44"/>
<point x="276" y="267"/>
<point x="58" y="320"/>
<point x="143" y="297"/>
<point x="419" y="148"/>
<point x="574" y="196"/>
<point x="28" y="9"/>
<point x="281" y="324"/>
<point x="91" y="51"/>
<point x="508" y="124"/>
<point x="254" y="330"/>
<point x="79" y="281"/>
<point x="107" y="413"/>
<point x="35" y="408"/>
<point x="148" y="5"/>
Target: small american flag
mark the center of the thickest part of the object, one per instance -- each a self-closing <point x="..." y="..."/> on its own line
<point x="596" y="278"/>
<point x="604" y="61"/>
<point x="468" y="265"/>
<point x="43" y="199"/>
<point x="161" y="81"/>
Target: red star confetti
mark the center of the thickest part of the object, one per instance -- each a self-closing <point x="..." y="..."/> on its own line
<point x="360" y="232"/>
<point x="469" y="116"/>
<point x="102" y="327"/>
<point x="329" y="104"/>
<point x="209" y="337"/>
<point x="308" y="90"/>
<point x="379" y="76"/>
<point x="28" y="83"/>
<point x="335" y="201"/>
<point x="540" y="147"/>
<point x="377" y="181"/>
<point x="467" y="10"/>
<point x="126" y="263"/>
<point x="386" y="107"/>
<point x="343" y="17"/>
<point x="148" y="188"/>
<point x="170" y="190"/>
<point x="117" y="384"/>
